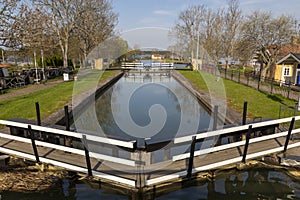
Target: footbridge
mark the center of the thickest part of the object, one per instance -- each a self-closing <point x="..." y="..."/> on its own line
<point x="149" y="66"/>
<point x="132" y="164"/>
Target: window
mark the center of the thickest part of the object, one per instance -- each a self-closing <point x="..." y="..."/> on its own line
<point x="286" y="71"/>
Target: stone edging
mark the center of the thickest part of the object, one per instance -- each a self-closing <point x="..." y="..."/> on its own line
<point x="58" y="116"/>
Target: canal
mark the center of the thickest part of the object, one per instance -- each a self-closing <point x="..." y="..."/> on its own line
<point x="154" y="107"/>
<point x="254" y="183"/>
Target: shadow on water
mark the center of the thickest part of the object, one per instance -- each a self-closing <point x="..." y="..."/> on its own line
<point x="253" y="183"/>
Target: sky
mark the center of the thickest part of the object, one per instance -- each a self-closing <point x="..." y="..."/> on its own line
<point x="148" y="21"/>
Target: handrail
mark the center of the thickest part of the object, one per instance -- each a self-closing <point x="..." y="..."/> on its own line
<point x="130" y="144"/>
<point x="70" y="150"/>
<point x="232" y="129"/>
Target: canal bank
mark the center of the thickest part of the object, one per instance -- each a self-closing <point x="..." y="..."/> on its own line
<point x="181" y="180"/>
<point x="231" y="116"/>
<point x="80" y="101"/>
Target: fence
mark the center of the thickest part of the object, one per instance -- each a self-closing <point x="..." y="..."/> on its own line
<point x="254" y="80"/>
<point x="28" y="76"/>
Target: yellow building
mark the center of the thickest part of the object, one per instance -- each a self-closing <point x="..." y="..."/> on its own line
<point x="288" y="69"/>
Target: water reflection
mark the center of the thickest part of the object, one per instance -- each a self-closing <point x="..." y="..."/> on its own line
<point x="144" y="105"/>
<point x="251" y="184"/>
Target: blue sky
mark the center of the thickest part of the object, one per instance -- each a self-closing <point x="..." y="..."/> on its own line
<point x="163" y="13"/>
<point x="137" y="14"/>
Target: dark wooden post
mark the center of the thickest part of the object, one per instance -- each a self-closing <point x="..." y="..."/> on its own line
<point x="244" y="120"/>
<point x="38" y="117"/>
<point x="67" y="118"/>
<point x="87" y="155"/>
<point x="289" y="90"/>
<point x="191" y="159"/>
<point x="216" y="108"/>
<point x="248" y="80"/>
<point x="288" y="136"/>
<point x="35" y="151"/>
<point x="259" y="78"/>
<point x="231" y="74"/>
<point x="38" y="113"/>
<point x="247" y="144"/>
<point x="239" y="79"/>
<point x="272" y="84"/>
<point x="68" y="140"/>
<point x="245" y="113"/>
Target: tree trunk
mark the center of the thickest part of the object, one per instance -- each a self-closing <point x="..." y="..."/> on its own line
<point x="226" y="63"/>
<point x="74" y="64"/>
<point x="65" y="55"/>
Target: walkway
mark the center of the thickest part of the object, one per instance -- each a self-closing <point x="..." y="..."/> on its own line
<point x="134" y="168"/>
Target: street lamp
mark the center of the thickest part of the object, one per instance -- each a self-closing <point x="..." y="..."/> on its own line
<point x="197" y="46"/>
<point x="35" y="66"/>
<point x="192" y="52"/>
<point x="197" y="50"/>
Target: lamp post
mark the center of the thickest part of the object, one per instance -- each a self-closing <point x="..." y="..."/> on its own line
<point x="43" y="67"/>
<point x="197" y="51"/>
<point x="197" y="45"/>
<point x="35" y="66"/>
<point x="192" y="35"/>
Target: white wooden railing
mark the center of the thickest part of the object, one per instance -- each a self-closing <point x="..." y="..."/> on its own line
<point x="86" y="153"/>
<point x="190" y="140"/>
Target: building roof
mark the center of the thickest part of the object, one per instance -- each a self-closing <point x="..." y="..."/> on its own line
<point x="290" y="59"/>
<point x="5" y="65"/>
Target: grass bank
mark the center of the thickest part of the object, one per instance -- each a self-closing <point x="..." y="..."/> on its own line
<point x="50" y="99"/>
<point x="260" y="104"/>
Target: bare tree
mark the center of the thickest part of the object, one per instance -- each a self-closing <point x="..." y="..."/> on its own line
<point x="213" y="29"/>
<point x="64" y="14"/>
<point x="34" y="30"/>
<point x="267" y="35"/>
<point x="230" y="34"/>
<point x="188" y="27"/>
<point x="94" y="24"/>
<point x="8" y="10"/>
<point x="216" y="31"/>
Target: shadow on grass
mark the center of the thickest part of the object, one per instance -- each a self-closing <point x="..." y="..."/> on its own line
<point x="275" y="98"/>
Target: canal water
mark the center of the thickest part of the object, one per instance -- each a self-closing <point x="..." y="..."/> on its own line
<point x="255" y="183"/>
<point x="144" y="106"/>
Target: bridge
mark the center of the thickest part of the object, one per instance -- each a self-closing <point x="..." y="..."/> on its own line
<point x="131" y="164"/>
<point x="152" y="66"/>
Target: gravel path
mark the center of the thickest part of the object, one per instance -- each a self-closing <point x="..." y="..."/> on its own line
<point x="27" y="90"/>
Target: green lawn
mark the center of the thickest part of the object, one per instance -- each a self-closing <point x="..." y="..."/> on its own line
<point x="55" y="97"/>
<point x="260" y="104"/>
<point x="50" y="100"/>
